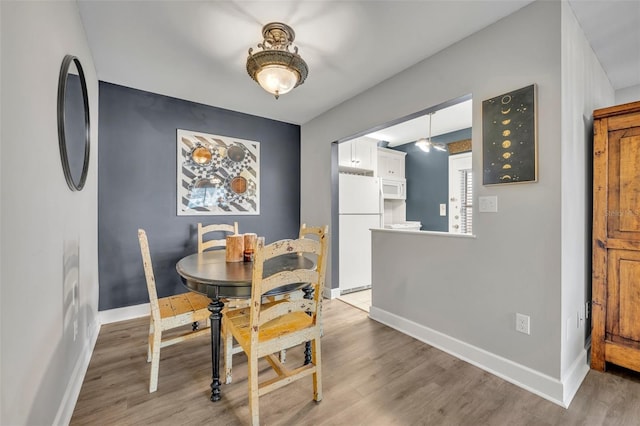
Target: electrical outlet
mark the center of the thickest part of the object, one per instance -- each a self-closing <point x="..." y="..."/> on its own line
<point x="443" y="209"/>
<point x="523" y="323"/>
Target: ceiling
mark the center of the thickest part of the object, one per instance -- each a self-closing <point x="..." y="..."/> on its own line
<point x="445" y="120"/>
<point x="196" y="50"/>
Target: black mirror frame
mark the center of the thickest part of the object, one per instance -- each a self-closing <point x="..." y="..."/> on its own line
<point x="62" y="87"/>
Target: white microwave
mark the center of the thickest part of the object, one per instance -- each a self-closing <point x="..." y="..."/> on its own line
<point x="395" y="189"/>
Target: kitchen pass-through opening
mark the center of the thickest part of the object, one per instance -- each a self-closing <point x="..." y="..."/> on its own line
<point x="412" y="175"/>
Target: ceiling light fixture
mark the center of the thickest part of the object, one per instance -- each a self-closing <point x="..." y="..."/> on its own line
<point x="275" y="68"/>
<point x="426" y="144"/>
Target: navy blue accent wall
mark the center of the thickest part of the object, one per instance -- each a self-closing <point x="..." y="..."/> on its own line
<point x="428" y="181"/>
<point x="137" y="186"/>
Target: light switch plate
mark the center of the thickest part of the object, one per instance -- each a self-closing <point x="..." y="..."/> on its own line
<point x="443" y="209"/>
<point x="488" y="204"/>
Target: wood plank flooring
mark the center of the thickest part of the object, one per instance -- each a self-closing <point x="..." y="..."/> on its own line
<point x="372" y="375"/>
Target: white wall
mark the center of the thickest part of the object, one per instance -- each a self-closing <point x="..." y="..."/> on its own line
<point x="514" y="264"/>
<point x="628" y="94"/>
<point x="585" y="87"/>
<point x="41" y="364"/>
<point x="1" y="261"/>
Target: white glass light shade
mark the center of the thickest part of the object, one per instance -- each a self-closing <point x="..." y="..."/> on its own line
<point x="277" y="79"/>
<point x="423" y="144"/>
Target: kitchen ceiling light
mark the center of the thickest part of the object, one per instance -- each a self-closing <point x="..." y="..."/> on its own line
<point x="426" y="144"/>
<point x="423" y="144"/>
<point x="275" y="68"/>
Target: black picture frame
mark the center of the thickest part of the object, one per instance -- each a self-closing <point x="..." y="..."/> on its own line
<point x="509" y="141"/>
<point x="74" y="128"/>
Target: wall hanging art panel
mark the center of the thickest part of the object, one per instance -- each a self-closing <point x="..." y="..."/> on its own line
<point x="509" y="148"/>
<point x="217" y="175"/>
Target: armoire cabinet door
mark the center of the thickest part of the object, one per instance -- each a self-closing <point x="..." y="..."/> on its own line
<point x="623" y="216"/>
<point x="615" y="331"/>
<point x="623" y="296"/>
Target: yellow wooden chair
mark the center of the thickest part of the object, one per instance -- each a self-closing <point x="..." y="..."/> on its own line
<point x="231" y="349"/>
<point x="168" y="313"/>
<point x="267" y="327"/>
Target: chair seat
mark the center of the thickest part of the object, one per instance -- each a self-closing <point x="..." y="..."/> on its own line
<point x="286" y="325"/>
<point x="183" y="309"/>
<point x="182" y="303"/>
<point x="230" y="304"/>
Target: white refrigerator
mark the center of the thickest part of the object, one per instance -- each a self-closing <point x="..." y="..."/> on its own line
<point x="360" y="209"/>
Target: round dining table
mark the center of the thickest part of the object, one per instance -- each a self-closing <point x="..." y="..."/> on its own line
<point x="210" y="274"/>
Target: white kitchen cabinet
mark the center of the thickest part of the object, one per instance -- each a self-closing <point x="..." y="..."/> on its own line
<point x="358" y="153"/>
<point x="391" y="163"/>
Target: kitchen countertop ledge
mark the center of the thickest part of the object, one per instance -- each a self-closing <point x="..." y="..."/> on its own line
<point x="429" y="233"/>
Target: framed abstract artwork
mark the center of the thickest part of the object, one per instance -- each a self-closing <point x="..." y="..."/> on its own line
<point x="217" y="175"/>
<point x="509" y="143"/>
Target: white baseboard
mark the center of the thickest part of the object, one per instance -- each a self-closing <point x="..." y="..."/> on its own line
<point x="123" y="314"/>
<point x="70" y="397"/>
<point x="574" y="377"/>
<point x="354" y="289"/>
<point x="331" y="293"/>
<point x="547" y="387"/>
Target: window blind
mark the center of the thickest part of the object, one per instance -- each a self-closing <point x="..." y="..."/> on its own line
<point x="466" y="201"/>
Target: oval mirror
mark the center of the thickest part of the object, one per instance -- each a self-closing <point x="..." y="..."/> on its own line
<point x="73" y="122"/>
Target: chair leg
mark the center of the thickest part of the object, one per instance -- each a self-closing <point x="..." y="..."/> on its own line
<point x="254" y="408"/>
<point x="155" y="361"/>
<point x="228" y="354"/>
<point x="150" y="341"/>
<point x="317" y="376"/>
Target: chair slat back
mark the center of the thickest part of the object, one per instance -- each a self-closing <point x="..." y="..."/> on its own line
<point x="210" y="244"/>
<point x="283" y="307"/>
<point x="148" y="273"/>
<point x="321" y="233"/>
<point x="314" y="276"/>
<point x="288" y="277"/>
<point x="312" y="232"/>
<point x="317" y="231"/>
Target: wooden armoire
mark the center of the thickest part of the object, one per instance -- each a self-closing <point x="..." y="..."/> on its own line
<point x="615" y="334"/>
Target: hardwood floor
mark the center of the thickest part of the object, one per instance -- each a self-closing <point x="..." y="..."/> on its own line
<point x="372" y="375"/>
